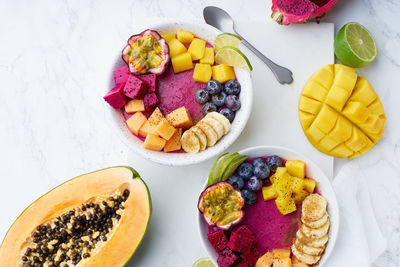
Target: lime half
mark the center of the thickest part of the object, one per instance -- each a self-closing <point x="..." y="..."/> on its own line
<point x="203" y="262"/>
<point x="354" y="45"/>
<point x="226" y="39"/>
<point x="232" y="56"/>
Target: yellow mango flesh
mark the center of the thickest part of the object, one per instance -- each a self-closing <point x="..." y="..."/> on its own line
<point x="182" y="62"/>
<point x="208" y="57"/>
<point x="168" y="36"/>
<point x="202" y="73"/>
<point x="176" y="48"/>
<point x="184" y="36"/>
<point x="265" y="260"/>
<point x="296" y="168"/>
<point x="197" y="48"/>
<point x="340" y="113"/>
<point x="223" y="73"/>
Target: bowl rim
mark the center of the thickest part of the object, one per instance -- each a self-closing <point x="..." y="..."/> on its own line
<point x="184" y="159"/>
<point x="333" y="204"/>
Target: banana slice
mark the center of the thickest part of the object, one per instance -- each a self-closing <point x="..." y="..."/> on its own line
<point x="317" y="223"/>
<point x="314" y="251"/>
<point x="212" y="136"/>
<point x="315" y="233"/>
<point x="222" y="119"/>
<point x="308" y="259"/>
<point x="202" y="137"/>
<point x="313" y="207"/>
<point x="318" y="243"/>
<point x="190" y="142"/>
<point x="216" y="125"/>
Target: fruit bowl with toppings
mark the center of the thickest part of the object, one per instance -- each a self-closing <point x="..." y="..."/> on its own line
<point x="267" y="206"/>
<point x="172" y="99"/>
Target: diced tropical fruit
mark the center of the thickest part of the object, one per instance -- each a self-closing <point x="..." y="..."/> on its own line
<point x="309" y="185"/>
<point x="347" y="121"/>
<point x="184" y="36"/>
<point x="176" y="48"/>
<point x="135" y="88"/>
<point x="165" y="129"/>
<point x="297" y="185"/>
<point x="269" y="192"/>
<point x="197" y="48"/>
<point x="180" y="118"/>
<point x="134" y="105"/>
<point x="296" y="168"/>
<point x="300" y="196"/>
<point x="208" y="57"/>
<point x="151" y="80"/>
<point x="153" y="142"/>
<point x="182" y="62"/>
<point x="281" y="253"/>
<point x="202" y="73"/>
<point x="168" y="36"/>
<point x="174" y="143"/>
<point x="135" y="122"/>
<point x="116" y="97"/>
<point x="223" y="73"/>
<point x="283" y="183"/>
<point x="150" y="101"/>
<point x="282" y="263"/>
<point x="150" y="125"/>
<point x="265" y="260"/>
<point x="121" y="75"/>
<point x="285" y="204"/>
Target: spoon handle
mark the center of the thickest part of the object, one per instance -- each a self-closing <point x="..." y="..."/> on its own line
<point x="283" y="75"/>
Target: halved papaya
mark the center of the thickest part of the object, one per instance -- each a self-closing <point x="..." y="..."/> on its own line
<point x="97" y="219"/>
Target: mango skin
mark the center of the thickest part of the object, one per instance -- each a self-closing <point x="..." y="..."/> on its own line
<point x="340" y="113"/>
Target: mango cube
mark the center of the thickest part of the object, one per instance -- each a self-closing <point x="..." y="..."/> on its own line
<point x="309" y="185"/>
<point x="182" y="62"/>
<point x="180" y="118"/>
<point x="324" y="76"/>
<point x="315" y="91"/>
<point x="298" y="197"/>
<point x="297" y="185"/>
<point x="282" y="263"/>
<point x="176" y="48"/>
<point x="356" y="112"/>
<point x="153" y="142"/>
<point x="208" y="57"/>
<point x="357" y="140"/>
<point x="265" y="260"/>
<point x="202" y="73"/>
<point x="168" y="36"/>
<point x="223" y="73"/>
<point x="306" y="118"/>
<point x="269" y="192"/>
<point x="363" y="92"/>
<point x="342" y="130"/>
<point x="134" y="105"/>
<point x="135" y="122"/>
<point x="281" y="253"/>
<point x="174" y="143"/>
<point x="285" y="204"/>
<point x="337" y="97"/>
<point x="309" y="105"/>
<point x="296" y="168"/>
<point x="197" y="48"/>
<point x="150" y="125"/>
<point x="165" y="129"/>
<point x="184" y="36"/>
<point x="342" y="151"/>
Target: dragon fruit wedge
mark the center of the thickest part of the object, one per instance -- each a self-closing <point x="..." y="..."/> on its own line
<point x="242" y="239"/>
<point x="135" y="88"/>
<point x="226" y="258"/>
<point x="299" y="11"/>
<point x="218" y="240"/>
<point x="116" y="97"/>
<point x="121" y="75"/>
<point x="151" y="80"/>
<point x="150" y="101"/>
<point x="251" y="256"/>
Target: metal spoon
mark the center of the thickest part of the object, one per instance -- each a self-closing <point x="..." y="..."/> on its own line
<point x="221" y="20"/>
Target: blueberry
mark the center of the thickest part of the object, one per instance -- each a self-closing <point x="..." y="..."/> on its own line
<point x="208" y="107"/>
<point x="232" y="87"/>
<point x="219" y="99"/>
<point x="261" y="171"/>
<point x="258" y="161"/>
<point x="202" y="96"/>
<point x="213" y="87"/>
<point x="245" y="170"/>
<point x="233" y="102"/>
<point x="229" y="114"/>
<point x="236" y="181"/>
<point x="249" y="196"/>
<point x="254" y="184"/>
<point x="274" y="162"/>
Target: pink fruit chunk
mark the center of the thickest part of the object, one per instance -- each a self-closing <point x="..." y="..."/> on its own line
<point x="226" y="258"/>
<point x="135" y="88"/>
<point x="121" y="75"/>
<point x="116" y="97"/>
<point x="218" y="240"/>
<point x="242" y="263"/>
<point x="251" y="256"/>
<point x="299" y="11"/>
<point x="242" y="239"/>
<point x="151" y="80"/>
<point x="150" y="101"/>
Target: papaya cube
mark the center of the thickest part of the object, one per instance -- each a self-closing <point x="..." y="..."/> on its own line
<point x="153" y="142"/>
<point x="150" y="125"/>
<point x="297" y="185"/>
<point x="202" y="73"/>
<point x="184" y="36"/>
<point x="300" y="196"/>
<point x="223" y="73"/>
<point x="337" y="97"/>
<point x="168" y="36"/>
<point x="182" y="62"/>
<point x="285" y="204"/>
<point x="356" y="112"/>
<point x="176" y="47"/>
<point x="281" y="253"/>
<point x="296" y="168"/>
<point x="134" y="105"/>
<point x="309" y="105"/>
<point x="282" y="263"/>
<point x="309" y="185"/>
<point x="265" y="260"/>
<point x="208" y="57"/>
<point x="174" y="143"/>
<point x="165" y="129"/>
<point x="180" y="118"/>
<point x="197" y="48"/>
<point x="269" y="192"/>
<point x="135" y="122"/>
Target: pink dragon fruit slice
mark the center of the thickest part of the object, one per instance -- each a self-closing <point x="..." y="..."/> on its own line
<point x="299" y="11"/>
<point x="151" y="80"/>
<point x="218" y="240"/>
<point x="146" y="52"/>
<point x="251" y="256"/>
<point x="242" y="263"/>
<point x="242" y="239"/>
<point x="226" y="258"/>
<point x="150" y="101"/>
<point x="121" y="75"/>
<point x="135" y="88"/>
<point x="116" y="97"/>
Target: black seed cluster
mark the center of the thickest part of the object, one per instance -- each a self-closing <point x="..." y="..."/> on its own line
<point x="71" y="237"/>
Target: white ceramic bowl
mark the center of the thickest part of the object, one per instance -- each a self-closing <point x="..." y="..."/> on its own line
<point x="207" y="33"/>
<point x="313" y="171"/>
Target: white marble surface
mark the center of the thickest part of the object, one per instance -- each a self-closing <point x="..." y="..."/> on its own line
<point x="54" y="62"/>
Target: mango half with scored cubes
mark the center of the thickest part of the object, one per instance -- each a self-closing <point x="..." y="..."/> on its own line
<point x="340" y="113"/>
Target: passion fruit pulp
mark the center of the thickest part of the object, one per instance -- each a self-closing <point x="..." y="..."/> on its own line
<point x="221" y="205"/>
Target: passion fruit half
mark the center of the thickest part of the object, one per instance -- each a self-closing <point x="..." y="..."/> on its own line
<point x="146" y="52"/>
<point x="221" y="205"/>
